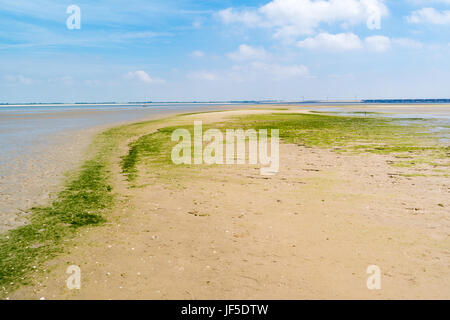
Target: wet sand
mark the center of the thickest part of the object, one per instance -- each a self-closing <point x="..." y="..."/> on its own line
<point x="34" y="169"/>
<point x="29" y="178"/>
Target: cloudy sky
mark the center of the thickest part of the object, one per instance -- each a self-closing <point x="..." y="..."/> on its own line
<point x="186" y="50"/>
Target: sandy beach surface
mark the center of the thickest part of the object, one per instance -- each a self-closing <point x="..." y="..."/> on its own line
<point x="226" y="232"/>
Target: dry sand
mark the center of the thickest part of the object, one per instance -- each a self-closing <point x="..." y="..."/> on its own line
<point x="309" y="232"/>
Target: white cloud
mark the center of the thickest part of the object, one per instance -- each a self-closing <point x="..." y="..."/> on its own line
<point x="246" y="52"/>
<point x="255" y="62"/>
<point x="341" y="41"/>
<point x="202" y="75"/>
<point x="291" y="18"/>
<point x="142" y="76"/>
<point x="251" y="72"/>
<point x="350" y="41"/>
<point x="417" y="2"/>
<point x="197" y="54"/>
<point x="18" y="79"/>
<point x="378" y="43"/>
<point x="430" y="15"/>
<point x="248" y="17"/>
<point x="408" y="43"/>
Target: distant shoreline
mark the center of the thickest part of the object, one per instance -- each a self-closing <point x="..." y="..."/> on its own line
<point x="263" y="102"/>
<point x="111" y="104"/>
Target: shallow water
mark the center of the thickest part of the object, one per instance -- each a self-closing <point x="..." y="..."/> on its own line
<point x="22" y="128"/>
<point x="436" y="118"/>
<point x="423" y="112"/>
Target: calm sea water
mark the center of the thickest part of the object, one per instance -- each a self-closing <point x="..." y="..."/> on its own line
<point x="23" y="128"/>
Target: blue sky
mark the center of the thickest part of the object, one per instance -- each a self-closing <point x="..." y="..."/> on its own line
<point x="188" y="50"/>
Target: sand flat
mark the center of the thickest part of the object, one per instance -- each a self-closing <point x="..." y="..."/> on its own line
<point x="227" y="232"/>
